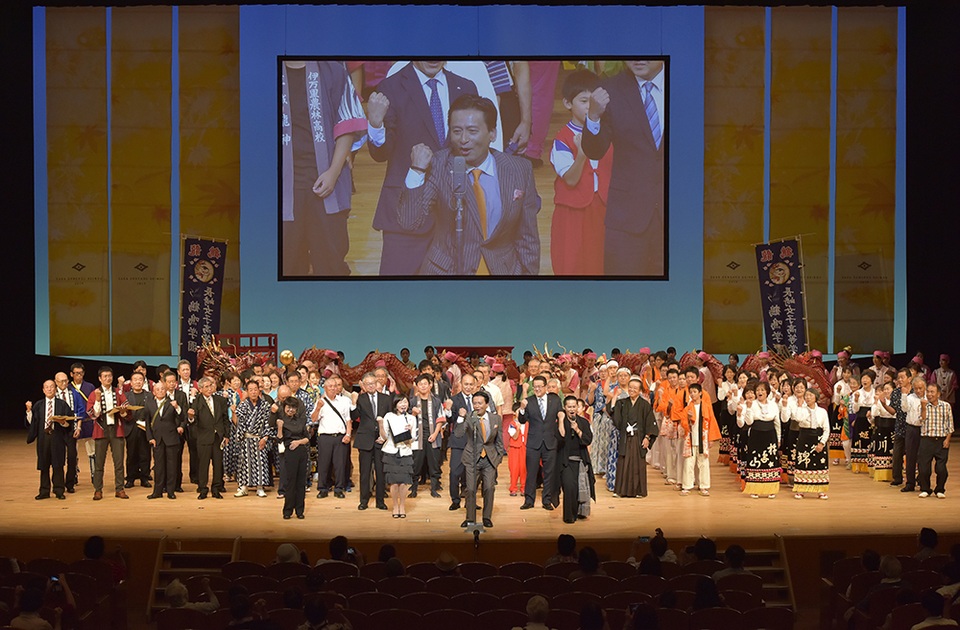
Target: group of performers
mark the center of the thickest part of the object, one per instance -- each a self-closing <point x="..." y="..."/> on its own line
<point x="560" y="421"/>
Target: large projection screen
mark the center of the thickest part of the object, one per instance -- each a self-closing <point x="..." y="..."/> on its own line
<point x="593" y="204"/>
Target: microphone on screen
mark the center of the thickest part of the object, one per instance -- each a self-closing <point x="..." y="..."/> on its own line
<point x="459" y="176"/>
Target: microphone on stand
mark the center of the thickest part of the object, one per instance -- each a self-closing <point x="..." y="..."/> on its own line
<point x="459" y="176"/>
<point x="459" y="189"/>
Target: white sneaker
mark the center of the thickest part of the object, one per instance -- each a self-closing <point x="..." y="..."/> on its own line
<point x="754" y="496"/>
<point x="241" y="492"/>
<point x="941" y="495"/>
<point x="797" y="496"/>
<point x="923" y="495"/>
<point x="823" y="496"/>
<point x="261" y="493"/>
<point x="771" y="496"/>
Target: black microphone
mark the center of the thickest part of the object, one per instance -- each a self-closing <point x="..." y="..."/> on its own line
<point x="459" y="175"/>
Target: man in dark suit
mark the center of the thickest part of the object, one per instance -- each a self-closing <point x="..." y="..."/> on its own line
<point x="627" y="111"/>
<point x="78" y="407"/>
<point x="539" y="411"/>
<point x="174" y="391"/>
<point x="408" y="108"/>
<point x="207" y="416"/>
<point x="462" y="405"/>
<point x="371" y="406"/>
<point x="51" y="438"/>
<point x="163" y="432"/>
<point x="499" y="200"/>
<point x="481" y="455"/>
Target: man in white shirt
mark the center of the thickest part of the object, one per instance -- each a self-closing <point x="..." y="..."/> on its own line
<point x="912" y="405"/>
<point x="334" y="430"/>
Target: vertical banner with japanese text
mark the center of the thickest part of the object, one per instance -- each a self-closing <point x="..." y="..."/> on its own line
<point x="201" y="293"/>
<point x="780" y="269"/>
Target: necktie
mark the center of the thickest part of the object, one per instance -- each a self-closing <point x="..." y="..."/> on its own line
<point x="482" y="211"/>
<point x="66" y="398"/>
<point x="210" y="404"/>
<point x="469" y="403"/>
<point x="46" y="421"/>
<point x="373" y="403"/>
<point x="543" y="408"/>
<point x="483" y="435"/>
<point x="650" y="106"/>
<point x="436" y="111"/>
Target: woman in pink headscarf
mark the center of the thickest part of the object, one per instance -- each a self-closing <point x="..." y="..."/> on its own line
<point x="946" y="379"/>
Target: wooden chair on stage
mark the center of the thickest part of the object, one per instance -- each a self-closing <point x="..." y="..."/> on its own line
<point x="498" y="585"/>
<point x="715" y="619"/>
<point x="521" y="570"/>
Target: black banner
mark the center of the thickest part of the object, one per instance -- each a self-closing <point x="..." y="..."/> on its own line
<point x="201" y="290"/>
<point x="781" y="295"/>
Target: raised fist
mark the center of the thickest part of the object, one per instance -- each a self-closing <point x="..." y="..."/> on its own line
<point x="377" y="106"/>
<point x="420" y="156"/>
<point x="523" y="403"/>
<point x="29" y="405"/>
<point x="463" y="412"/>
<point x="599" y="100"/>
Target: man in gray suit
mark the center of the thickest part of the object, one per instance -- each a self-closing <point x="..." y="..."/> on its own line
<point x="499" y="200"/>
<point x="481" y="455"/>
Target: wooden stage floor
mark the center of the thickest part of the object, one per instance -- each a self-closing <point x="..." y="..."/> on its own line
<point x="857" y="506"/>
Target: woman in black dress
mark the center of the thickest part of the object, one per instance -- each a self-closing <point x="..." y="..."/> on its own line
<point x="292" y="430"/>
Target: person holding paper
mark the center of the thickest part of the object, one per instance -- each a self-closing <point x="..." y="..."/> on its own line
<point x="396" y="431"/>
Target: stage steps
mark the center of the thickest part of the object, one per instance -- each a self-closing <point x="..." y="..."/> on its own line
<point x="183" y="559"/>
<point x="772" y="566"/>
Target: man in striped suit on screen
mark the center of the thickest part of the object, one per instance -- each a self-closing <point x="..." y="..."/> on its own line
<point x="498" y="197"/>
